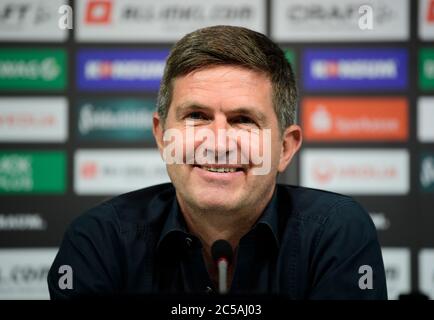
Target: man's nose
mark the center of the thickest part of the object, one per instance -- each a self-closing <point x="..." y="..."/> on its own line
<point x="223" y="145"/>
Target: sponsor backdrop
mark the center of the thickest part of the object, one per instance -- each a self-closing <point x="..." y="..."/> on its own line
<point x="76" y="114"/>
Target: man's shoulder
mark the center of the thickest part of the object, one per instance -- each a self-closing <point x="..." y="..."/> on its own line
<point x="317" y="205"/>
<point x="129" y="209"/>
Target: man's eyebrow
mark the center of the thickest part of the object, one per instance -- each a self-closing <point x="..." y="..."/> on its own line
<point x="193" y="106"/>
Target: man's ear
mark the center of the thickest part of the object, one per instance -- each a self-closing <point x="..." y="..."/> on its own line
<point x="157" y="130"/>
<point x="291" y="142"/>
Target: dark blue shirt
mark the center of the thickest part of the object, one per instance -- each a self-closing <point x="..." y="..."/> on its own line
<point x="307" y="244"/>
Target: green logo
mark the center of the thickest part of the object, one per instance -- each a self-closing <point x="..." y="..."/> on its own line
<point x="115" y="119"/>
<point x="32" y="69"/>
<point x="32" y="172"/>
<point x="426" y="68"/>
<point x="427" y="172"/>
<point x="290" y="56"/>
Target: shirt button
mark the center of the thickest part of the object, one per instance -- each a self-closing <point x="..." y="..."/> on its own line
<point x="188" y="242"/>
<point x="208" y="290"/>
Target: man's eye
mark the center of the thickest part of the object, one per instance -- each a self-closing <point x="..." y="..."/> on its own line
<point x="243" y="119"/>
<point x="197" y="116"/>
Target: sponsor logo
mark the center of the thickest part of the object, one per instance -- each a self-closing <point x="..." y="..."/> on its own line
<point x="427" y="172"/>
<point x="115" y="119"/>
<point x="356" y="171"/>
<point x="41" y="172"/>
<point x="33" y="119"/>
<point x="397" y="267"/>
<point x="107" y="20"/>
<point x="24" y="20"/>
<point x="290" y="56"/>
<point x="426" y="68"/>
<point x="356" y="69"/>
<point x="425" y="119"/>
<point x="426" y="272"/>
<point x="23" y="273"/>
<point x="326" y="20"/>
<point x="430" y="12"/>
<point x="22" y="222"/>
<point x="117" y="171"/>
<point x="380" y="220"/>
<point x="99" y="12"/>
<point x="426" y="19"/>
<point x="121" y="70"/>
<point x="359" y="119"/>
<point x="32" y="69"/>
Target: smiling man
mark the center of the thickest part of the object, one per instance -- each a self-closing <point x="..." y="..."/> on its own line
<point x="227" y="100"/>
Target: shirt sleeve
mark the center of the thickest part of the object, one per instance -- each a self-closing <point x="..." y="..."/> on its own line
<point x="90" y="250"/>
<point x="347" y="262"/>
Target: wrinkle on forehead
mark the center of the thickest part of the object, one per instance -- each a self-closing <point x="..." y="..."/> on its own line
<point x="226" y="80"/>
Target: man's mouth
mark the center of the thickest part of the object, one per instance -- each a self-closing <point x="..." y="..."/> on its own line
<point x="221" y="168"/>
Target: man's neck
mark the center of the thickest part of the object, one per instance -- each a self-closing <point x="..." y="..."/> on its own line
<point x="210" y="226"/>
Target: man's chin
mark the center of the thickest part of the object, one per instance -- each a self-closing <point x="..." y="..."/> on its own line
<point x="222" y="207"/>
<point x="217" y="201"/>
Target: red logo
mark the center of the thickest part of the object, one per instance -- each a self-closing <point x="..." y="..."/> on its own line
<point x="430" y="15"/>
<point x="333" y="69"/>
<point x="98" y="12"/>
<point x="89" y="170"/>
<point x="105" y="69"/>
<point x="324" y="171"/>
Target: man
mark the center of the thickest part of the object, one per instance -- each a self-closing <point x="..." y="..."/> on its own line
<point x="293" y="241"/>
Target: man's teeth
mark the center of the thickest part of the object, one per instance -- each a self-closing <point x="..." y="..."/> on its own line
<point x="220" y="169"/>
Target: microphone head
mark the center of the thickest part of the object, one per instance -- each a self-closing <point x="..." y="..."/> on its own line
<point x="221" y="249"/>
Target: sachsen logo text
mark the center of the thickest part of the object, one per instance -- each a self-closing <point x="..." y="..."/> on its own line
<point x="355" y="119"/>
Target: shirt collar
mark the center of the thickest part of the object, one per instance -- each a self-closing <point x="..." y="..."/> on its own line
<point x="174" y="226"/>
<point x="270" y="218"/>
<point x="175" y="230"/>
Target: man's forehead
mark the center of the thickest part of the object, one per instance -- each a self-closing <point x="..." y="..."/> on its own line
<point x="239" y="85"/>
<point x="228" y="88"/>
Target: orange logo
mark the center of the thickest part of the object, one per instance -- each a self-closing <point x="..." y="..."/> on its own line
<point x="355" y="119"/>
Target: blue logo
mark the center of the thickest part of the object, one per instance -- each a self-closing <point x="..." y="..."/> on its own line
<point x="355" y="69"/>
<point x="120" y="69"/>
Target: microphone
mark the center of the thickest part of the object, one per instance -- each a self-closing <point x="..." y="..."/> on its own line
<point x="221" y="252"/>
